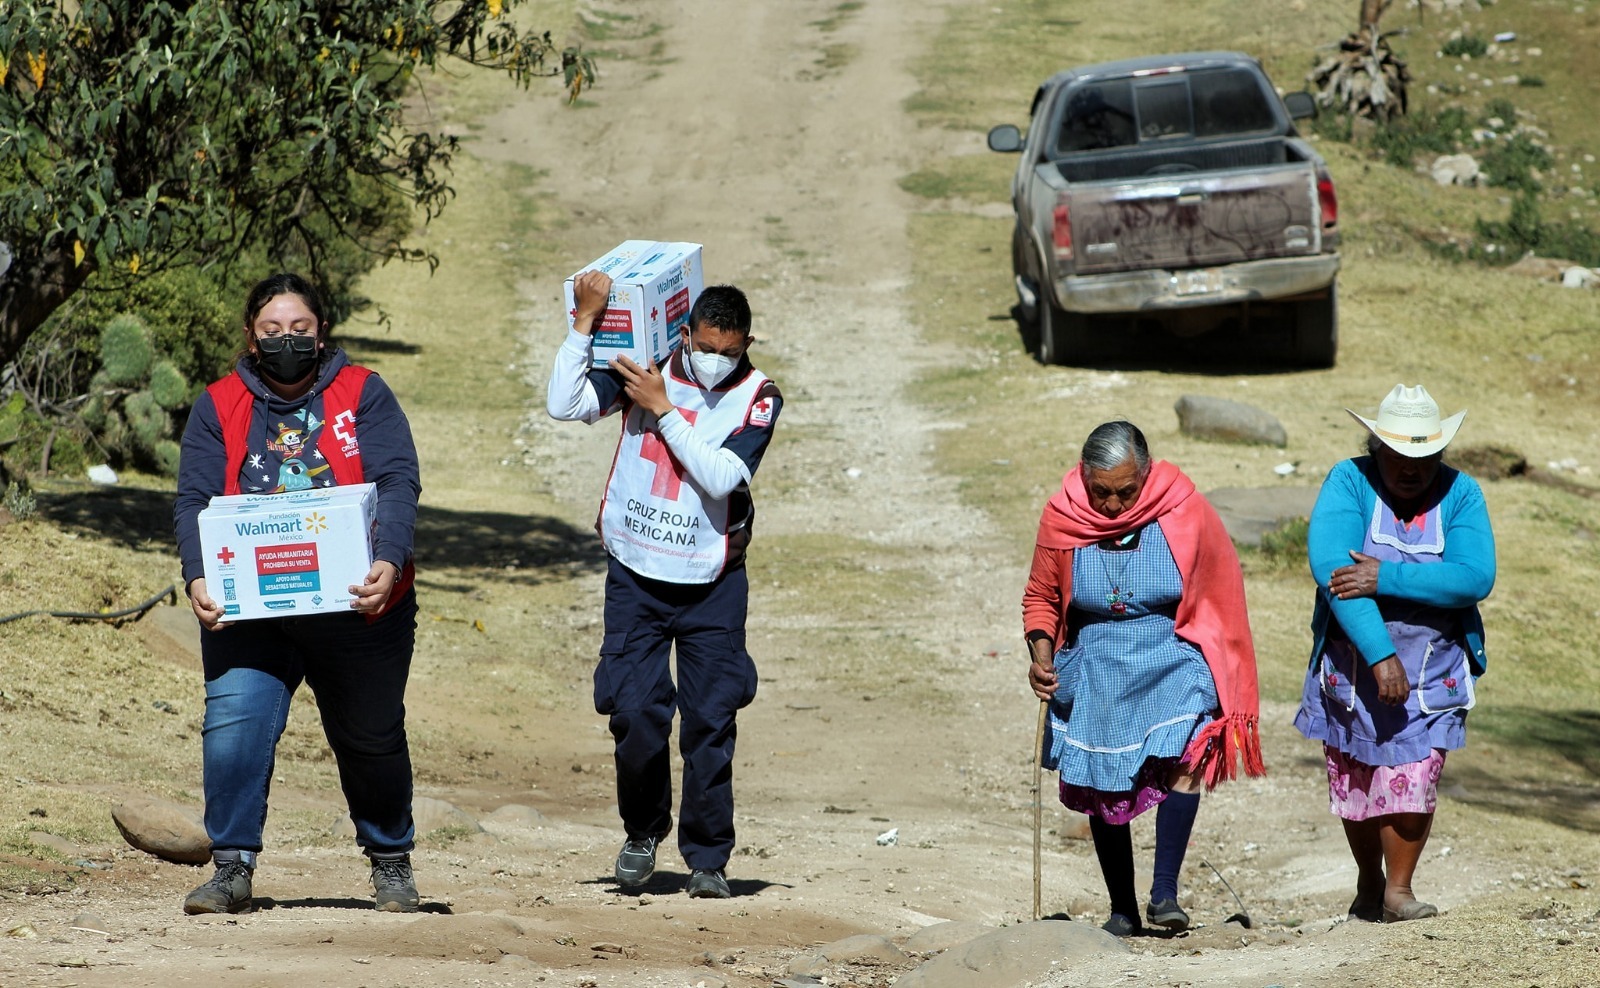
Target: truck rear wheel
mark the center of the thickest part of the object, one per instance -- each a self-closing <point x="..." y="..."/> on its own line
<point x="1316" y="330"/>
<point x="1063" y="335"/>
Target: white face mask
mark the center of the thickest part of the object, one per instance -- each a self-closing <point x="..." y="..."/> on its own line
<point x="710" y="368"/>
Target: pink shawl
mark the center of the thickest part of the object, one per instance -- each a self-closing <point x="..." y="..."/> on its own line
<point x="1211" y="615"/>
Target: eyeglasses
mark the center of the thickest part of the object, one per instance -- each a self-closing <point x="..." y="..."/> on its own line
<point x="274" y="331"/>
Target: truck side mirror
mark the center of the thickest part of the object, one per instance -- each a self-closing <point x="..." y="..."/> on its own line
<point x="1005" y="137"/>
<point x="1300" y="104"/>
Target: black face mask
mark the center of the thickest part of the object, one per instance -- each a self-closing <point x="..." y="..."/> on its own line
<point x="286" y="359"/>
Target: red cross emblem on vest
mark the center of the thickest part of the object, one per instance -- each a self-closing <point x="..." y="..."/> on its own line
<point x="669" y="472"/>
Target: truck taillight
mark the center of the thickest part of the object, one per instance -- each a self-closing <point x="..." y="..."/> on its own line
<point x="1328" y="200"/>
<point x="1062" y="233"/>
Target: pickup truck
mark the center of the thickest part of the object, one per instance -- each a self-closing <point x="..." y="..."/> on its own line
<point x="1171" y="186"/>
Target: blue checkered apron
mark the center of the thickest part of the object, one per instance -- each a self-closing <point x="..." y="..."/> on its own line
<point x="1130" y="688"/>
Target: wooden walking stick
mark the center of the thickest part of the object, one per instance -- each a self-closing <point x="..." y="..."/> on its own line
<point x="1038" y="805"/>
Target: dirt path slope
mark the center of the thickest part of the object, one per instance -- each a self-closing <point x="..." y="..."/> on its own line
<point x="774" y="134"/>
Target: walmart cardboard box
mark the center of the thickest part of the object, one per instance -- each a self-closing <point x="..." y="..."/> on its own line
<point x="653" y="286"/>
<point x="273" y="555"/>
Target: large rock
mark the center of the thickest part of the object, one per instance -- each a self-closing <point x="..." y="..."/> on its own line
<point x="869" y="949"/>
<point x="168" y="830"/>
<point x="1228" y="421"/>
<point x="515" y="815"/>
<point x="1251" y="512"/>
<point x="1577" y="276"/>
<point x="942" y="936"/>
<point x="1013" y="956"/>
<point x="1455" y="169"/>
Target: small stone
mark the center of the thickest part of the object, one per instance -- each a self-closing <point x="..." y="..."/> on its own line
<point x="89" y="923"/>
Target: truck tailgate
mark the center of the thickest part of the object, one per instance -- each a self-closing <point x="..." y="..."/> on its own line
<point x="1190" y="221"/>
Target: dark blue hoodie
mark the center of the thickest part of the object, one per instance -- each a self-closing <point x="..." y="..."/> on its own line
<point x="282" y="455"/>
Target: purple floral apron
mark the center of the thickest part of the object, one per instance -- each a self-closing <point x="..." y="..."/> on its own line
<point x="1341" y="707"/>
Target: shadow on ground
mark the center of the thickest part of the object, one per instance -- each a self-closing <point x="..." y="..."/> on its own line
<point x="1234" y="342"/>
<point x="1546" y="765"/>
<point x="525" y="549"/>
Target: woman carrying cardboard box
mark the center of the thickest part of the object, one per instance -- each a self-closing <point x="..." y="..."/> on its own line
<point x="296" y="414"/>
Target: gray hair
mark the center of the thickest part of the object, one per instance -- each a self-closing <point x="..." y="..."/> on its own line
<point x="1112" y="443"/>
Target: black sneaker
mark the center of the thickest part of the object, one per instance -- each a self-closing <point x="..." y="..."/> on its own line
<point x="1167" y="913"/>
<point x="228" y="891"/>
<point x="394" y="886"/>
<point x="637" y="861"/>
<point x="706" y="883"/>
<point x="1121" y="926"/>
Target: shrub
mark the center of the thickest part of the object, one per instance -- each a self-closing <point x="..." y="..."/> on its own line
<point x="1524" y="232"/>
<point x="20" y="502"/>
<point x="168" y="386"/>
<point x="1470" y="45"/>
<point x="1286" y="544"/>
<point x="1512" y="163"/>
<point x="1401" y="140"/>
<point x="125" y="350"/>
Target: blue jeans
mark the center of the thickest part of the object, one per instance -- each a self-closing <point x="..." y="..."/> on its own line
<point x="357" y="671"/>
<point x="644" y="618"/>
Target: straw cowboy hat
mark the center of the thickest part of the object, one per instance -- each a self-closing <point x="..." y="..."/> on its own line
<point x="1408" y="422"/>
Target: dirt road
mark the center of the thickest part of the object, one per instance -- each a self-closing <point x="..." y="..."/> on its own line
<point x="785" y="168"/>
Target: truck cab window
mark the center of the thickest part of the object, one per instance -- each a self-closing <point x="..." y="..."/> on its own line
<point x="1098" y="115"/>
<point x="1230" y="102"/>
<point x="1164" y="109"/>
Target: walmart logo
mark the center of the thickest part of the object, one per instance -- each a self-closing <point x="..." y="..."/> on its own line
<point x="316" y="522"/>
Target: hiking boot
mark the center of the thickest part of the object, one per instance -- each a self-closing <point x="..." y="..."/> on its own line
<point x="637" y="861"/>
<point x="394" y="886"/>
<point x="707" y="883"/>
<point x="228" y="891"/>
<point x="1167" y="913"/>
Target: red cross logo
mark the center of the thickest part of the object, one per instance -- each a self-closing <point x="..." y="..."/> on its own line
<point x="653" y="311"/>
<point x="226" y="555"/>
<point x="572" y="313"/>
<point x="669" y="472"/>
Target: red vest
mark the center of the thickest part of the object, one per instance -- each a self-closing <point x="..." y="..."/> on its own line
<point x="337" y="443"/>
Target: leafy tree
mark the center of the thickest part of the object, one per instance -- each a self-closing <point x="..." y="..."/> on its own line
<point x="144" y="135"/>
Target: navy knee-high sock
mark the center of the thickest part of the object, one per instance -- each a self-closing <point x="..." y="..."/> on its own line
<point x="1174" y="823"/>
<point x="1113" y="845"/>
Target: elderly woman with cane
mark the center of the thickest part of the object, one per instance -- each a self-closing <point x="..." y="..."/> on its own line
<point x="1402" y="552"/>
<point x="1136" y="625"/>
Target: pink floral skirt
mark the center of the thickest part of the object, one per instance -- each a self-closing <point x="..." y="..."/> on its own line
<point x="1358" y="791"/>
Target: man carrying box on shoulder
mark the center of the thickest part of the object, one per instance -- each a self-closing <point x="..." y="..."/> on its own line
<point x="676" y="517"/>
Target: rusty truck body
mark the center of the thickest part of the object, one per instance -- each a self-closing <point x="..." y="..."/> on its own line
<point x="1169" y="183"/>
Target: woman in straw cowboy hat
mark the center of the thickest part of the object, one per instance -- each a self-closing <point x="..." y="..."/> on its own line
<point x="1402" y="553"/>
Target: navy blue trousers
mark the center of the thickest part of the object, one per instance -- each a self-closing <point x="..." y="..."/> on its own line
<point x="633" y="684"/>
<point x="357" y="671"/>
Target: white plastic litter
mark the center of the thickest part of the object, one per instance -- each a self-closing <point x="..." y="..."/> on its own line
<point x="101" y="473"/>
<point x="1284" y="469"/>
<point x="889" y="837"/>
